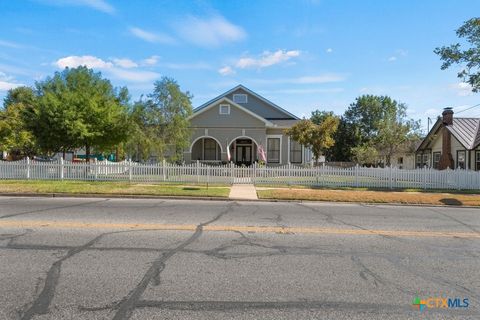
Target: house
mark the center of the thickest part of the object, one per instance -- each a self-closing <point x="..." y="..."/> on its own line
<point x="403" y="158"/>
<point x="243" y="127"/>
<point x="453" y="142"/>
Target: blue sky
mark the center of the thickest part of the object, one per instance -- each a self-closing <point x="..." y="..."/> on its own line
<point x="302" y="55"/>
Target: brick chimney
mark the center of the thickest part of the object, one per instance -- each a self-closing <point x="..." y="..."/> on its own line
<point x="446" y="160"/>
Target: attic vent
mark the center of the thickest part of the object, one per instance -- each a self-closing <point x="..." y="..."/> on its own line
<point x="240" y="98"/>
<point x="224" y="109"/>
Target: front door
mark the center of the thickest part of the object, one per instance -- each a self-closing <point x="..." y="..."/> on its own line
<point x="244" y="155"/>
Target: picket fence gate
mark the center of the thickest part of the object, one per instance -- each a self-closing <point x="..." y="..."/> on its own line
<point x="322" y="176"/>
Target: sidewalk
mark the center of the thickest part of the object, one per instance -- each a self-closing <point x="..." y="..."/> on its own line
<point x="243" y="192"/>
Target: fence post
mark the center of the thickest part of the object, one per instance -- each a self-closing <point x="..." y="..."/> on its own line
<point x="254" y="173"/>
<point x="130" y="170"/>
<point x="95" y="166"/>
<point x="390" y="184"/>
<point x="198" y="172"/>
<point x="424" y="177"/>
<point x="232" y="172"/>
<point x="208" y="175"/>
<point x="28" y="168"/>
<point x="61" y="168"/>
<point x="163" y="170"/>
<point x="356" y="176"/>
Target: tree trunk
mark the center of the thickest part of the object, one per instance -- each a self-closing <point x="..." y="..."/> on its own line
<point x="63" y="155"/>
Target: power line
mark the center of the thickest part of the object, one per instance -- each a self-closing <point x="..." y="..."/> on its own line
<point x="457" y="112"/>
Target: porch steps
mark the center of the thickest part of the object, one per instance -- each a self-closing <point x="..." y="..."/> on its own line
<point x="243" y="192"/>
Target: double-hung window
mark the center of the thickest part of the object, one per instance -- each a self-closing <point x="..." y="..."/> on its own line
<point x="273" y="150"/>
<point x="295" y="152"/>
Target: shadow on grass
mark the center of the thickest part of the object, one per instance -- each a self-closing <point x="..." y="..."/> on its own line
<point x="190" y="188"/>
<point x="473" y="192"/>
<point x="451" y="202"/>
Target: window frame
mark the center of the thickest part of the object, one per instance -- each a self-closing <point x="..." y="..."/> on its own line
<point x="279" y="137"/>
<point x="464" y="159"/>
<point x="477" y="160"/>
<point x="435" y="164"/>
<point x="290" y="157"/>
<point x="220" y="109"/>
<point x="240" y="95"/>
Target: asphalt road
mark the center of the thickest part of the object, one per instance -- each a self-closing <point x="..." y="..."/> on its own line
<point x="70" y="258"/>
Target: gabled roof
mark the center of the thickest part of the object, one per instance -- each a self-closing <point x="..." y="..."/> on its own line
<point x="208" y="103"/>
<point x="224" y="99"/>
<point x="465" y="130"/>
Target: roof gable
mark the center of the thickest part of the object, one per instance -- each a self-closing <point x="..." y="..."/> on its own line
<point x="465" y="130"/>
<point x="233" y="104"/>
<point x="256" y="104"/>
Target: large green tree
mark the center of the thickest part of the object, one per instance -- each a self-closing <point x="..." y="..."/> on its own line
<point x="467" y="56"/>
<point x="15" y="138"/>
<point x="316" y="137"/>
<point x="163" y="119"/>
<point x="78" y="108"/>
<point x="343" y="136"/>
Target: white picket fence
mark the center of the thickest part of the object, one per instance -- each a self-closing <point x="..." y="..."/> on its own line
<point x="386" y="178"/>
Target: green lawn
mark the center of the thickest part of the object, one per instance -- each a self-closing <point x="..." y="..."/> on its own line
<point x="120" y="188"/>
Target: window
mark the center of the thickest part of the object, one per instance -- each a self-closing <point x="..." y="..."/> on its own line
<point x="436" y="159"/>
<point x="477" y="160"/>
<point x="418" y="161"/>
<point x="295" y="152"/>
<point x="209" y="149"/>
<point x="240" y="98"/>
<point x="461" y="159"/>
<point x="400" y="160"/>
<point x="273" y="150"/>
<point x="224" y="109"/>
<point x="426" y="160"/>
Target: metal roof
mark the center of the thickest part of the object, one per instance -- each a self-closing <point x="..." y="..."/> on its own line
<point x="466" y="131"/>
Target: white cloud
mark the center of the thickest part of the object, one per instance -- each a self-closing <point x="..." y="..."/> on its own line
<point x="319" y="79"/>
<point x="115" y="69"/>
<point x="392" y="58"/>
<point x="88" y="61"/>
<point x="463" y="89"/>
<point x="99" y="5"/>
<point x="267" y="59"/>
<point x="125" y="63"/>
<point x="151" y="37"/>
<point x="9" y="44"/>
<point x="8" y="82"/>
<point x="134" y="76"/>
<point x="151" y="61"/>
<point x="225" y="71"/>
<point x="329" y="50"/>
<point x="213" y="31"/>
<point x="186" y="66"/>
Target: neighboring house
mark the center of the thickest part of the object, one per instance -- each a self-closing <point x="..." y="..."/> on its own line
<point x="404" y="157"/>
<point x="244" y="127"/>
<point x="451" y="143"/>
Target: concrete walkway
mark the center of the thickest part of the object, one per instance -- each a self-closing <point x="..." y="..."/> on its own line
<point x="243" y="192"/>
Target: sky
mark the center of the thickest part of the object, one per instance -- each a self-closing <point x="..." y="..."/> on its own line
<point x="303" y="55"/>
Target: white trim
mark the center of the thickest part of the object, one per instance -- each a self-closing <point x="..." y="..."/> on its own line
<point x="280" y="151"/>
<point x="267" y="123"/>
<point x="205" y="105"/>
<point x="240" y="94"/>
<point x="193" y="142"/>
<point x="220" y="109"/>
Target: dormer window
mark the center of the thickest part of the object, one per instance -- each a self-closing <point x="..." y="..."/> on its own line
<point x="240" y="98"/>
<point x="224" y="109"/>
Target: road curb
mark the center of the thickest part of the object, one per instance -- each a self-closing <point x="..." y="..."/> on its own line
<point x="139" y="196"/>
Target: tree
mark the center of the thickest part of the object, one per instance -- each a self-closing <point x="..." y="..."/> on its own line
<point x="15" y="138"/>
<point x="317" y="137"/>
<point x="469" y="58"/>
<point x="394" y="131"/>
<point x="343" y="136"/>
<point x="365" y="154"/>
<point x="78" y="108"/>
<point x="365" y="113"/>
<point x="167" y="111"/>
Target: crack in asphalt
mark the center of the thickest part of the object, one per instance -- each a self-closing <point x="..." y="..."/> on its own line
<point x="54" y="208"/>
<point x="455" y="219"/>
<point x="42" y="303"/>
<point x="128" y="304"/>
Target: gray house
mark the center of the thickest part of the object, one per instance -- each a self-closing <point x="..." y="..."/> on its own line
<point x="243" y="127"/>
<point x="453" y="142"/>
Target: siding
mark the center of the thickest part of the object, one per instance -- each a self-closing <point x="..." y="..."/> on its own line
<point x="260" y="107"/>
